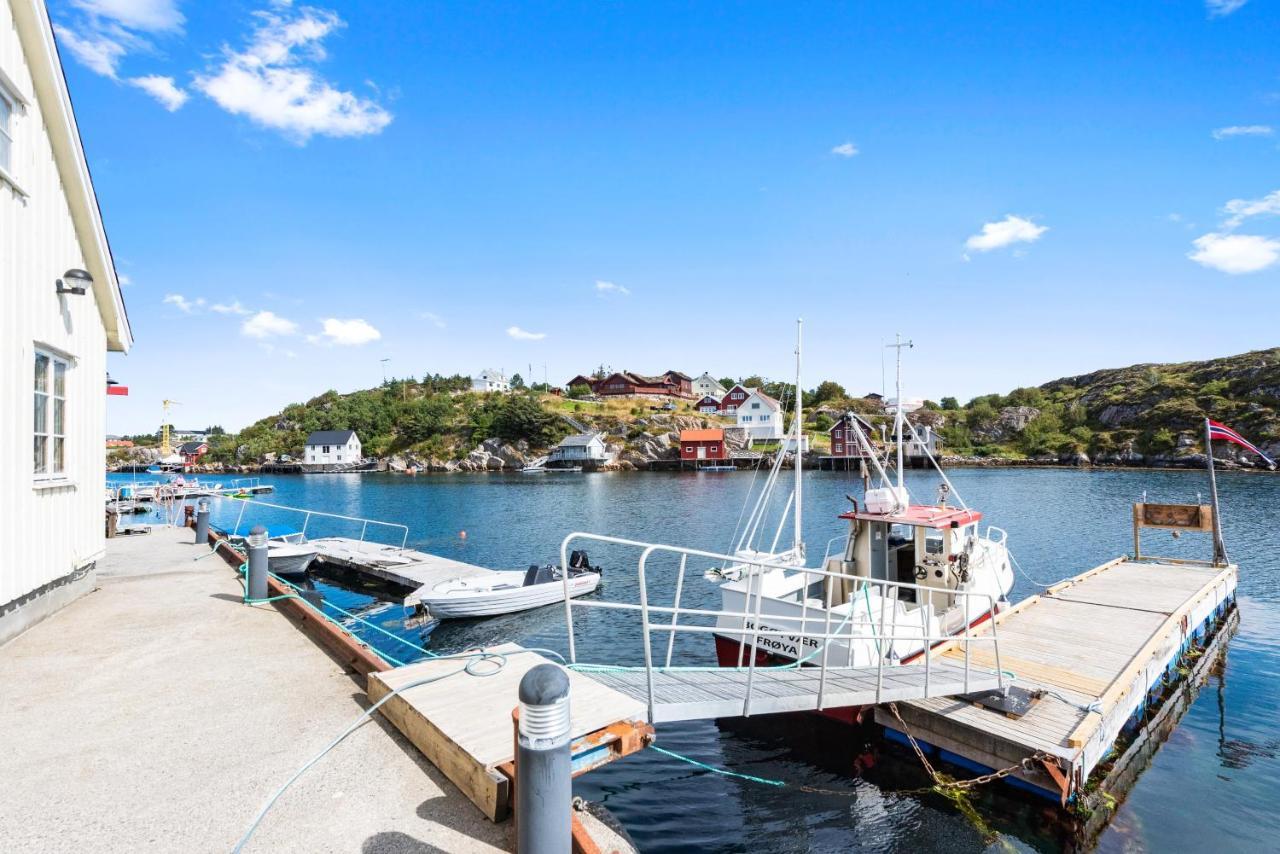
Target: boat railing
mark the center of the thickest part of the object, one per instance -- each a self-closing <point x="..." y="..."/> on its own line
<point x="842" y="539"/>
<point x="992" y="530"/>
<point x="815" y="631"/>
<point x="307" y="516"/>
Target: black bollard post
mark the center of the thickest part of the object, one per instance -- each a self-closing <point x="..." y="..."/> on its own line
<point x="257" y="582"/>
<point x="544" y="784"/>
<point x="202" y="522"/>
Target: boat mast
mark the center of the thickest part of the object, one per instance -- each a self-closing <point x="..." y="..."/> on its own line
<point x="799" y="455"/>
<point x="1219" y="547"/>
<point x="898" y="417"/>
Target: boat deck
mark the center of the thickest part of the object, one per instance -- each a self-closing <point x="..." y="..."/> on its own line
<point x="1095" y="644"/>
<point x="407" y="568"/>
<point x="720" y="693"/>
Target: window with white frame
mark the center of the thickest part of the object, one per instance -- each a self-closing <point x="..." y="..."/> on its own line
<point x="6" y="130"/>
<point x="49" y="456"/>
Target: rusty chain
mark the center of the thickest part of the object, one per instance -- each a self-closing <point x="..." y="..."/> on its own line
<point x="943" y="782"/>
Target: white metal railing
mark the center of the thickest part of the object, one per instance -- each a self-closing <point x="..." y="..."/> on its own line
<point x="885" y="629"/>
<point x="1004" y="535"/>
<point x="308" y="514"/>
<point x="843" y="539"/>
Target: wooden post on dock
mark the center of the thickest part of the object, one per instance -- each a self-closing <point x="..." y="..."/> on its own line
<point x="1219" y="547"/>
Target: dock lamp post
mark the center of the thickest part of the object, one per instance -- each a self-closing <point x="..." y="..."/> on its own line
<point x="544" y="784"/>
<point x="202" y="521"/>
<point x="257" y="582"/>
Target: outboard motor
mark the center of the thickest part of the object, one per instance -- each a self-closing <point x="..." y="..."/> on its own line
<point x="578" y="560"/>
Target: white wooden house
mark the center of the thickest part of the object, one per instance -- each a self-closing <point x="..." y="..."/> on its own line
<point x="708" y="386"/>
<point x="488" y="380"/>
<point x="760" y="416"/>
<point x="61" y="310"/>
<point x="332" y="448"/>
<point x="928" y="442"/>
<point x="578" y="449"/>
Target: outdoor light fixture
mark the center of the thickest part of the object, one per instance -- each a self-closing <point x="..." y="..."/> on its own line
<point x="74" y="282"/>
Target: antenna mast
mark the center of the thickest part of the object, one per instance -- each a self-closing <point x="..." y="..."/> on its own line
<point x="898" y="417"/>
<point x="799" y="457"/>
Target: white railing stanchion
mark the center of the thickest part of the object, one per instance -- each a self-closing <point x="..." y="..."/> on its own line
<point x="568" y="601"/>
<point x="644" y="617"/>
<point x="755" y="639"/>
<point x="671" y="636"/>
<point x="826" y="645"/>
<point x="883" y="652"/>
<point x="925" y="643"/>
<point x="995" y="643"/>
<point x="966" y="644"/>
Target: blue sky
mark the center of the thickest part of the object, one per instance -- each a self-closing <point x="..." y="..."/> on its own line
<point x="1028" y="191"/>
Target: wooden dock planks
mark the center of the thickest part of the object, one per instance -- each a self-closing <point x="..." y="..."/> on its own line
<point x="407" y="568"/>
<point x="1089" y="641"/>
<point x="463" y="724"/>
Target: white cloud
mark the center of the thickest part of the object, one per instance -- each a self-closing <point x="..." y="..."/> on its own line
<point x="1008" y="231"/>
<point x="183" y="304"/>
<point x="272" y="83"/>
<point x="1242" y="209"/>
<point x="267" y="324"/>
<point x="123" y="279"/>
<point x="1235" y="253"/>
<point x="605" y="288"/>
<point x="232" y="308"/>
<point x="1222" y="8"/>
<point x="162" y="89"/>
<point x="434" y="319"/>
<point x="100" y="33"/>
<point x="845" y="149"/>
<point x="345" y="333"/>
<point x="521" y="335"/>
<point x="1242" y="130"/>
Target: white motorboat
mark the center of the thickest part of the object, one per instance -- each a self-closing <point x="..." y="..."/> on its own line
<point x="288" y="552"/>
<point x="492" y="592"/>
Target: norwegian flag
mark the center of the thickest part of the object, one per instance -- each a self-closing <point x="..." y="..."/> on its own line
<point x="1225" y="433"/>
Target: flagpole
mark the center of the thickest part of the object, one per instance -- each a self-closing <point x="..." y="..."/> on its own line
<point x="1219" y="547"/>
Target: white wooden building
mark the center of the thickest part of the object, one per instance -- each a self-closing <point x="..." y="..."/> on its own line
<point x="488" y="380"/>
<point x="53" y="345"/>
<point x="580" y="448"/>
<point x="332" y="448"/>
<point x="708" y="386"/>
<point x="760" y="416"/>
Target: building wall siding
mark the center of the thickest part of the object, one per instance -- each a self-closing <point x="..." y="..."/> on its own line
<point x="47" y="533"/>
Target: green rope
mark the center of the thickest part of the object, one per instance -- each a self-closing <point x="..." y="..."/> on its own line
<point x="722" y="771"/>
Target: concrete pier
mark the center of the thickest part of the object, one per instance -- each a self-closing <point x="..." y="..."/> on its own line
<point x="158" y="713"/>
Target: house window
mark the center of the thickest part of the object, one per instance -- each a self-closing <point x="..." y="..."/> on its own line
<point x="764" y="418"/>
<point x="755" y="406"/>
<point x="836" y="434"/>
<point x="837" y="448"/>
<point x="714" y="449"/>
<point x="50" y="427"/>
<point x="339" y="457"/>
<point x="325" y="449"/>
<point x="746" y="418"/>
<point x="6" y="130"/>
<point x="688" y="449"/>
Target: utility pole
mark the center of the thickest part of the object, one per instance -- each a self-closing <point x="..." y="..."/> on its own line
<point x="384" y="370"/>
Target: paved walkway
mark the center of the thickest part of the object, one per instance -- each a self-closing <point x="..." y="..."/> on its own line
<point x="158" y="713"/>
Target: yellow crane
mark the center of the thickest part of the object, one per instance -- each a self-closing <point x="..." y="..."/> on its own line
<point x="165" y="448"/>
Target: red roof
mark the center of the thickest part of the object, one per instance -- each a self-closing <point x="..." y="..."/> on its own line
<point x="921" y="515"/>
<point x="709" y="435"/>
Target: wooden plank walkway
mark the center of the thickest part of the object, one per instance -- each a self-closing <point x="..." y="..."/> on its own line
<point x="405" y="567"/>
<point x="1094" y="644"/>
<point x="463" y="723"/>
<point x="692" y="695"/>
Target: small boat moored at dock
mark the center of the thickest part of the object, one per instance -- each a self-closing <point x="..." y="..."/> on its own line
<point x="505" y="592"/>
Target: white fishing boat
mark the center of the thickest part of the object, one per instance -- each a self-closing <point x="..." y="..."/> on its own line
<point x="487" y="593"/>
<point x="907" y="571"/>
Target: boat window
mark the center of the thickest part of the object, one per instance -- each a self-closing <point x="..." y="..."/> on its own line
<point x="933" y="542"/>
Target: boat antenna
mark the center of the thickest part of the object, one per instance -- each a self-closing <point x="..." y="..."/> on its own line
<point x="799" y="452"/>
<point x="898" y="417"/>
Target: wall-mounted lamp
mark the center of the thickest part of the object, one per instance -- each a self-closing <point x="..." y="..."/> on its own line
<point x="74" y="282"/>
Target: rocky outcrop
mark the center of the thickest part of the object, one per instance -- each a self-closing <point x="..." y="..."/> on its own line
<point x="1011" y="421"/>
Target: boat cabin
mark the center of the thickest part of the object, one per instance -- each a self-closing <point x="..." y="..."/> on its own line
<point x="923" y="545"/>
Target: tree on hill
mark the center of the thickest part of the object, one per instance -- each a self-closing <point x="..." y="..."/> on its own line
<point x="517" y="381"/>
<point x="728" y="382"/>
<point x="827" y="390"/>
<point x="521" y="417"/>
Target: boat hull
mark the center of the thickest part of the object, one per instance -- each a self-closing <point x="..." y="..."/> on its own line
<point x="506" y="600"/>
<point x="290" y="560"/>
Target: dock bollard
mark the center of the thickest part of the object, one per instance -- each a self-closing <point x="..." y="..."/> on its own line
<point x="258" y="562"/>
<point x="202" y="522"/>
<point x="544" y="785"/>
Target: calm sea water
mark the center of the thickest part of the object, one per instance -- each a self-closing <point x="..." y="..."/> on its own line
<point x="1212" y="786"/>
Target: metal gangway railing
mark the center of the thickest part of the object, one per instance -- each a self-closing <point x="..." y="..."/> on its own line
<point x="884" y="629"/>
<point x="307" y="516"/>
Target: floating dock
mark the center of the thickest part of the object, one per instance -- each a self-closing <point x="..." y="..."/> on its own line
<point x="465" y="725"/>
<point x="1099" y="649"/>
<point x="404" y="567"/>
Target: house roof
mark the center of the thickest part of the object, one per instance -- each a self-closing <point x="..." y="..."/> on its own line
<point x="35" y="32"/>
<point x="708" y="435"/>
<point x="773" y="404"/>
<point x="678" y="375"/>
<point x="579" y="439"/>
<point x="709" y="399"/>
<point x="330" y="437"/>
<point x="861" y="422"/>
<point x="192" y="447"/>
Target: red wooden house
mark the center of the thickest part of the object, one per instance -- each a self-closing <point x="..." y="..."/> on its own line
<point x="703" y="445"/>
<point x="844" y="442"/>
<point x="730" y="402"/>
<point x="708" y="406"/>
